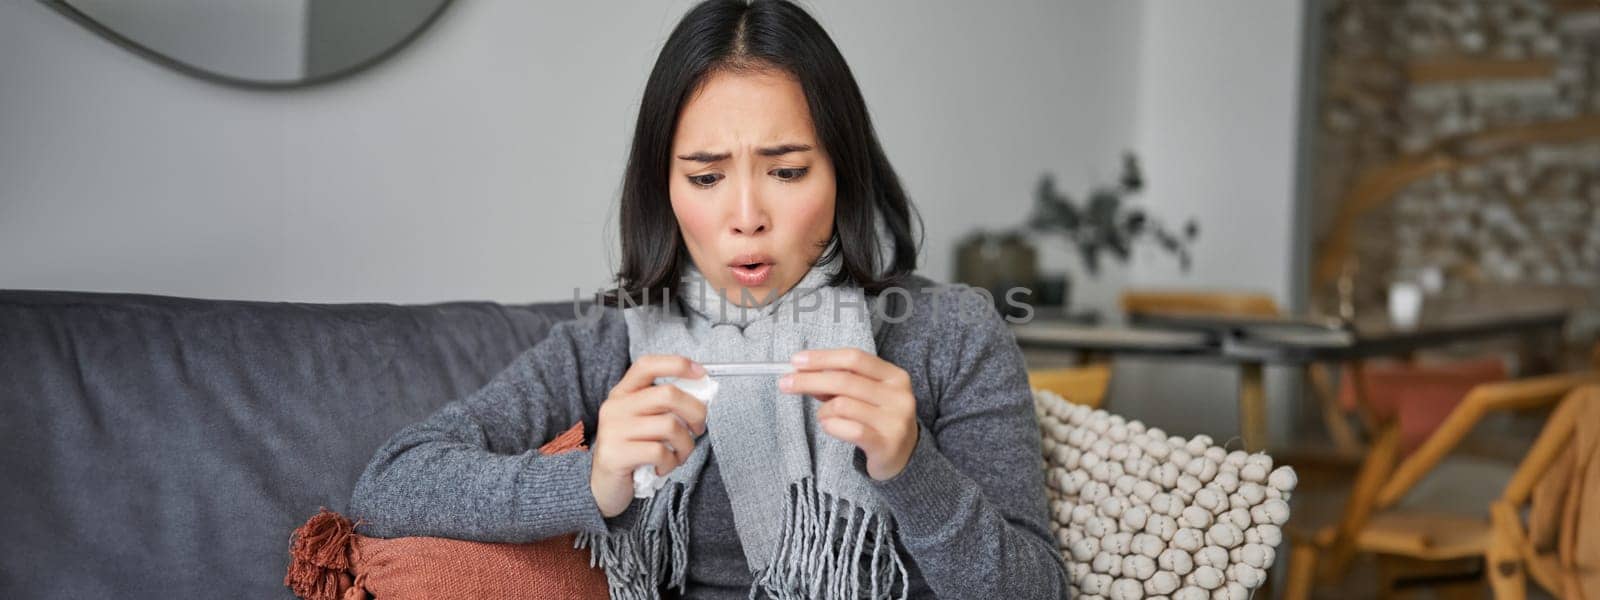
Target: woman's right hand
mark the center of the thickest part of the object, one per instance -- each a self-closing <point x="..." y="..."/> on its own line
<point x="638" y="421"/>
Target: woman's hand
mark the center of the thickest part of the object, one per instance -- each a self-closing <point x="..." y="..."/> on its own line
<point x="638" y="421"/>
<point x="867" y="401"/>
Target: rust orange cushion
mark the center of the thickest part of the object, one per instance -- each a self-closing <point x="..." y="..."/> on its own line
<point x="332" y="562"/>
<point x="1419" y="396"/>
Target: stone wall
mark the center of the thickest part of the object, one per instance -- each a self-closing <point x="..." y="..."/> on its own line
<point x="1398" y="78"/>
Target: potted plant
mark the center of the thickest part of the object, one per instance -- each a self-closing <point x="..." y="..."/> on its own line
<point x="1105" y="224"/>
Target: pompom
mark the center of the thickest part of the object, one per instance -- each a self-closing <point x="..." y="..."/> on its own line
<point x="1107" y="563"/>
<point x="1230" y="591"/>
<point x="1147" y="545"/>
<point x="1225" y="535"/>
<point x="1211" y="556"/>
<point x="1207" y="577"/>
<point x="1283" y="479"/>
<point x="1227" y="481"/>
<point x="1271" y="512"/>
<point x="1096" y="584"/>
<point x="1134" y="518"/>
<point x="1117" y="543"/>
<point x="1195" y="517"/>
<point x="1176" y="561"/>
<point x="1253" y="472"/>
<point x="1250" y="494"/>
<point x="1211" y="500"/>
<point x="1237" y="517"/>
<point x="1138" y="566"/>
<point x="1126" y="589"/>
<point x="1113" y="507"/>
<point x="1188" y="540"/>
<point x="1161" y="583"/>
<point x="1084" y="550"/>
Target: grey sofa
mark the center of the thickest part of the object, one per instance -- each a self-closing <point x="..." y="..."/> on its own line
<point x="159" y="447"/>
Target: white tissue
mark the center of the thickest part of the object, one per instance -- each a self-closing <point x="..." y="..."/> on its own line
<point x="645" y="481"/>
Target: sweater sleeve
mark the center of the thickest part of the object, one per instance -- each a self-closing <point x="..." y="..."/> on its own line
<point x="472" y="470"/>
<point x="970" y="505"/>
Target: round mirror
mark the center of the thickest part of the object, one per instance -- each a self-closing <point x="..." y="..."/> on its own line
<point x="254" y="43"/>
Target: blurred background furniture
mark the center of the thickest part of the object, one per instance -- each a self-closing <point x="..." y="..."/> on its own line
<point x="1144" y="304"/>
<point x="1421" y="506"/>
<point x="1559" y="485"/>
<point x="1084" y="385"/>
<point x="1417" y="397"/>
<point x="1250" y="341"/>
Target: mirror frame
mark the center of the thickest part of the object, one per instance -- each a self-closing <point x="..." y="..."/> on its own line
<point x="72" y="13"/>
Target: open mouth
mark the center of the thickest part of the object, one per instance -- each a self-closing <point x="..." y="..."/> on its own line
<point x="751" y="270"/>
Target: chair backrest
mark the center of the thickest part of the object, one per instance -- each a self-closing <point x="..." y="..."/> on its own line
<point x="1199" y="302"/>
<point x="1519" y="394"/>
<point x="1385" y="478"/>
<point x="1084" y="385"/>
<point x="1554" y="513"/>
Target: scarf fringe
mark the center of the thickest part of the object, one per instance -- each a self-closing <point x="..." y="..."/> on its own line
<point x="819" y="555"/>
<point x="633" y="560"/>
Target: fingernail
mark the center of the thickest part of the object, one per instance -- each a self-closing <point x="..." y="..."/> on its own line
<point x="696" y="370"/>
<point x="800" y="359"/>
<point x="786" y="383"/>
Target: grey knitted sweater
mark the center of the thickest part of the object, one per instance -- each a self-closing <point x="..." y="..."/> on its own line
<point x="969" y="508"/>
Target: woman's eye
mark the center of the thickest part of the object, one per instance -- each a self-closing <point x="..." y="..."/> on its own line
<point x="789" y="174"/>
<point x="706" y="180"/>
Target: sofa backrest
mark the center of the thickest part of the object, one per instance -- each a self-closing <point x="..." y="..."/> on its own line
<point x="158" y="447"/>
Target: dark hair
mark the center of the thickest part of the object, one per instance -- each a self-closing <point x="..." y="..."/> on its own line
<point x="721" y="35"/>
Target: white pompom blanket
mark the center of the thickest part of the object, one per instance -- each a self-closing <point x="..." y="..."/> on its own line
<point x="1139" y="514"/>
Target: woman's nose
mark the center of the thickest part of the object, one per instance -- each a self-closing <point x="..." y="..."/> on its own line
<point x="749" y="227"/>
<point x="749" y="217"/>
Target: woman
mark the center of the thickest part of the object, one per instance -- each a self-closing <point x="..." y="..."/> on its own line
<point x="760" y="221"/>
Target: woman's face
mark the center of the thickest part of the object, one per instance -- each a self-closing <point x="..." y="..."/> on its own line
<point x="752" y="189"/>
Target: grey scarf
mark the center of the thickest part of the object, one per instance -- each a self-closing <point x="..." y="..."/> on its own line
<point x="810" y="524"/>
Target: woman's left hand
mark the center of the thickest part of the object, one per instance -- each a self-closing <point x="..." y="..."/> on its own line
<point x="866" y="401"/>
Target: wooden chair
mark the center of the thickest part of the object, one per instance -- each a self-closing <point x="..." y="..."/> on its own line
<point x="1372" y="523"/>
<point x="1511" y="555"/>
<point x="1193" y="302"/>
<point x="1084" y="385"/>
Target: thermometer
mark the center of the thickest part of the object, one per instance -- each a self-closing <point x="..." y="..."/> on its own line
<point x="748" y="369"/>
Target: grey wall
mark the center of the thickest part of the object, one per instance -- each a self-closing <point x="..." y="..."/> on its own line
<point x="483" y="162"/>
<point x="1218" y="124"/>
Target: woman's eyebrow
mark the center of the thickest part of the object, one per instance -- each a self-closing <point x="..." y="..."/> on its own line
<point x="779" y="150"/>
<point x="705" y="157"/>
<point x="783" y="149"/>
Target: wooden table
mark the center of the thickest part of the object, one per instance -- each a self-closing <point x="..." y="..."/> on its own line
<point x="1253" y="342"/>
